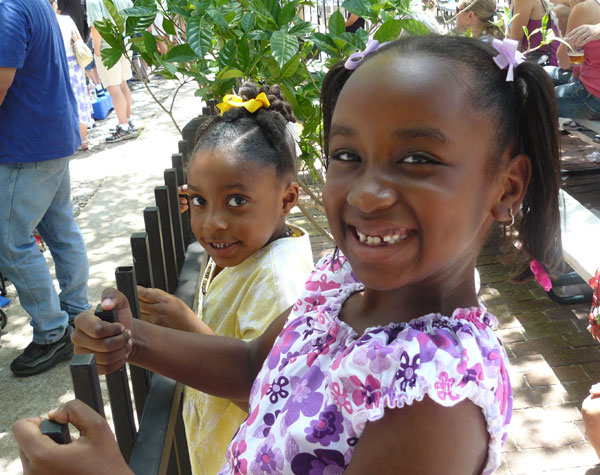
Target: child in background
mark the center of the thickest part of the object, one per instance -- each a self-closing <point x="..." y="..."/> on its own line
<point x="387" y="363"/>
<point x="240" y="189"/>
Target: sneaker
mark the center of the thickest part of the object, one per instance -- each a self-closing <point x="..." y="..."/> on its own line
<point x="121" y="134"/>
<point x="131" y="127"/>
<point x="38" y="358"/>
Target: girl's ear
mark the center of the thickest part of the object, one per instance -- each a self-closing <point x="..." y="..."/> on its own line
<point x="514" y="183"/>
<point x="290" y="197"/>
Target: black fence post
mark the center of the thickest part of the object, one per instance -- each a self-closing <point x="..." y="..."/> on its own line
<point x="155" y="243"/>
<point x="120" y="398"/>
<point x="141" y="259"/>
<point x="140" y="378"/>
<point x="86" y="382"/>
<point x="179" y="239"/>
<point x="161" y="196"/>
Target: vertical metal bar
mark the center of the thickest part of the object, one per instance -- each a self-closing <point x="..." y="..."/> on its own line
<point x="120" y="398"/>
<point x="179" y="240"/>
<point x="184" y="150"/>
<point x="161" y="196"/>
<point x="140" y="378"/>
<point x="177" y="163"/>
<point x="153" y="228"/>
<point x="86" y="382"/>
<point x="141" y="259"/>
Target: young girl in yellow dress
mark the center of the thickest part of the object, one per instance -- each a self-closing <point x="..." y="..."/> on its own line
<point x="240" y="189"/>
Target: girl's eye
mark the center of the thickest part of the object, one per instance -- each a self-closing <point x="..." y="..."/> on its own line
<point x="345" y="157"/>
<point x="236" y="201"/>
<point x="417" y="160"/>
<point x="198" y="200"/>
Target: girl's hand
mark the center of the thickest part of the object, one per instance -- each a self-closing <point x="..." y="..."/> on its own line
<point x="160" y="308"/>
<point x="110" y="342"/>
<point x="583" y="34"/>
<point x="183" y="198"/>
<point x="95" y="451"/>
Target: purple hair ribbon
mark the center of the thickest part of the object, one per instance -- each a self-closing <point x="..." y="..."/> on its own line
<point x="356" y="58"/>
<point x="509" y="57"/>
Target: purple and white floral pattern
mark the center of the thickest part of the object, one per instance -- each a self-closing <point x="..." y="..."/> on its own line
<point x="321" y="382"/>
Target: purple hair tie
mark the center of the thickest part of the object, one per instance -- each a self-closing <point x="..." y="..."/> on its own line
<point x="356" y="58"/>
<point x="508" y="56"/>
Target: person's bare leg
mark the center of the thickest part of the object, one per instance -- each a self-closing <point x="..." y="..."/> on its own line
<point x="93" y="76"/>
<point x="119" y="103"/>
<point x="127" y="95"/>
<point x="83" y="132"/>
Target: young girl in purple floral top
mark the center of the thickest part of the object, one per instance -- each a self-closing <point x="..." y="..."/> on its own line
<point x="387" y="363"/>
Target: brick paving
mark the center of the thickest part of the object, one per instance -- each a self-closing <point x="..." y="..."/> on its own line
<point x="553" y="362"/>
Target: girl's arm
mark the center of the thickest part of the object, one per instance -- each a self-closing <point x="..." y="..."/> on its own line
<point x="424" y="438"/>
<point x="521" y="14"/>
<point x="224" y="367"/>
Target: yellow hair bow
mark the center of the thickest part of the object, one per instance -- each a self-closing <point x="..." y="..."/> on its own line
<point x="231" y="100"/>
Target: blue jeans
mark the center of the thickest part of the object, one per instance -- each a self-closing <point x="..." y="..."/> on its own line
<point x="38" y="194"/>
<point x="574" y="100"/>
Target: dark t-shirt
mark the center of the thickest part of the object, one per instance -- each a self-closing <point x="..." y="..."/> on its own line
<point x="77" y="10"/>
<point x="38" y="118"/>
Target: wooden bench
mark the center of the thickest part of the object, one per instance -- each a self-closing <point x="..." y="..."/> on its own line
<point x="165" y="256"/>
<point x="581" y="247"/>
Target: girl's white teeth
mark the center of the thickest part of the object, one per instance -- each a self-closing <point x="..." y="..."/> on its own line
<point x="377" y="240"/>
<point x="221" y="245"/>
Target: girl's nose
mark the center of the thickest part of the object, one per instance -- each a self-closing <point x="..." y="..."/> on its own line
<point x="370" y="195"/>
<point x="215" y="222"/>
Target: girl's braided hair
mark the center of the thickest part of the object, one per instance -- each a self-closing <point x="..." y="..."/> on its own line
<point x="261" y="136"/>
<point x="524" y="115"/>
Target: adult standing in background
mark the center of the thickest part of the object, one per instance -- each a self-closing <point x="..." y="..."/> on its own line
<point x="38" y="133"/>
<point x="77" y="10"/>
<point x="70" y="33"/>
<point x="114" y="79"/>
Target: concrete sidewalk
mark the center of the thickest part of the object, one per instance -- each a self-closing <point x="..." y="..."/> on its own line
<point x="553" y="358"/>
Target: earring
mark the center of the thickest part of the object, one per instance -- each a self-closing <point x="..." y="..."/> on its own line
<point x="512" y="219"/>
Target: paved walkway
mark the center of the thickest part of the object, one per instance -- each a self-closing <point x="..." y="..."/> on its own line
<point x="553" y="358"/>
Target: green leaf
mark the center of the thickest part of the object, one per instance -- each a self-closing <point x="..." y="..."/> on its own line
<point x="248" y="21"/>
<point x="229" y="73"/>
<point x="168" y="26"/>
<point x="388" y="31"/>
<point x="105" y="28"/>
<point x="199" y="36"/>
<point x="290" y="68"/>
<point x="287" y="14"/>
<point x="138" y="24"/>
<point x="301" y="28"/>
<point x="357" y="7"/>
<point x="219" y="20"/>
<point x="227" y="54"/>
<point x="273" y="7"/>
<point x="110" y="56"/>
<point x="283" y="47"/>
<point x="180" y="54"/>
<point x="243" y="53"/>
<point x="149" y="43"/>
<point x="414" y="27"/>
<point x="115" y="15"/>
<point x="337" y="23"/>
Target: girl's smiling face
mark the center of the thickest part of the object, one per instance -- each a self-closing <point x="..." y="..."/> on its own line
<point x="236" y="206"/>
<point x="407" y="194"/>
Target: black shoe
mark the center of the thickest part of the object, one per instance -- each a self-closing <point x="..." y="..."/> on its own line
<point x="121" y="134"/>
<point x="132" y="127"/>
<point x="38" y="358"/>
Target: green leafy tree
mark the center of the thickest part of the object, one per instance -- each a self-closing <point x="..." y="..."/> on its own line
<point x="221" y="43"/>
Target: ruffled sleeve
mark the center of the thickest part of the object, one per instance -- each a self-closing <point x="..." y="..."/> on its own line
<point x="448" y="359"/>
